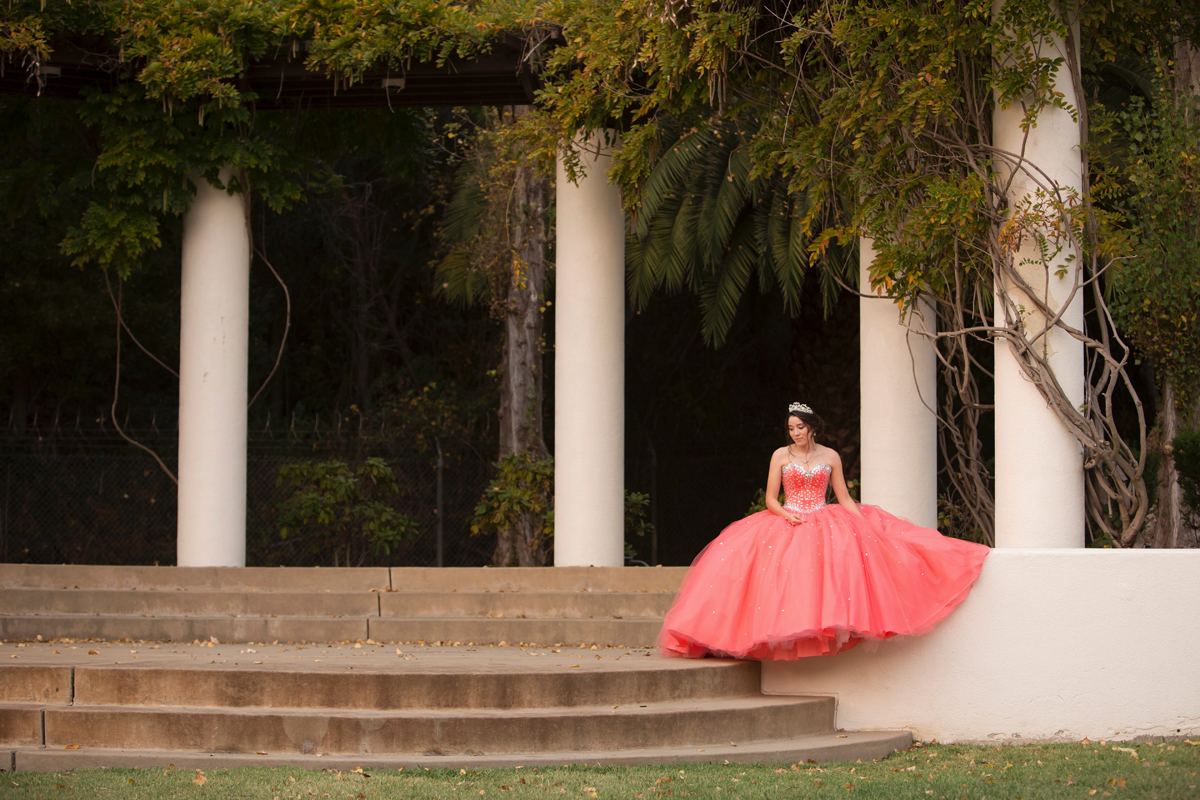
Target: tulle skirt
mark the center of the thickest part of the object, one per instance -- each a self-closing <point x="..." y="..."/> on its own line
<point x="765" y="589"/>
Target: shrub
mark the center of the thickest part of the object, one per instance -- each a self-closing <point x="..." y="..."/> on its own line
<point x="336" y="507"/>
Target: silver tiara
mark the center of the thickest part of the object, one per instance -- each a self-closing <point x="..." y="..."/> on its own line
<point x="800" y="407"/>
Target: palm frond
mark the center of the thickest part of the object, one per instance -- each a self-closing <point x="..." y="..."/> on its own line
<point x="722" y="291"/>
<point x="728" y="203"/>
<point x="459" y="280"/>
<point x="465" y="211"/>
<point x="666" y="177"/>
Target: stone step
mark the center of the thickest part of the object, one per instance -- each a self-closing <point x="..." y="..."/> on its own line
<point x="539" y="604"/>
<point x="437" y="732"/>
<point x="195" y="603"/>
<point x="36" y="683"/>
<point x="524" y="579"/>
<point x="850" y="746"/>
<point x="558" y="686"/>
<point x="595" y="605"/>
<point x="183" y="629"/>
<point x="115" y="704"/>
<point x="399" y="579"/>
<point x="603" y="632"/>
<point x="72" y="576"/>
<point x="21" y="725"/>
<point x="608" y="633"/>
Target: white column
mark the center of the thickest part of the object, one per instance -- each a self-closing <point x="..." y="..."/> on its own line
<point x="1039" y="464"/>
<point x="213" y="349"/>
<point x="898" y="389"/>
<point x="589" y="368"/>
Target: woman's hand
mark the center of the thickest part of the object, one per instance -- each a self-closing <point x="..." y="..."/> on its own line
<point x="794" y="519"/>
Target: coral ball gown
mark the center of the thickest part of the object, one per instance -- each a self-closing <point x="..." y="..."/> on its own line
<point x="766" y="589"/>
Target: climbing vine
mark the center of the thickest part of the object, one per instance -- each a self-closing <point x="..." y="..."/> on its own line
<point x="176" y="110"/>
<point x="880" y="116"/>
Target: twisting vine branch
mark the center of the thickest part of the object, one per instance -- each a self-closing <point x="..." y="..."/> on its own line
<point x="117" y="387"/>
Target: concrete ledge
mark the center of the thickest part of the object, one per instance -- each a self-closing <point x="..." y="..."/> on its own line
<point x="195" y="602"/>
<point x="1051" y="645"/>
<point x="183" y="629"/>
<point x="818" y="747"/>
<point x="523" y="579"/>
<point x="610" y="632"/>
<point x="35" y="683"/>
<point x="540" y="604"/>
<point x="438" y="732"/>
<point x="73" y="576"/>
<point x="489" y="686"/>
<point x="21" y="725"/>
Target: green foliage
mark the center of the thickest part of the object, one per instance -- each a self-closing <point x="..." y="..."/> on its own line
<point x="1185" y="452"/>
<point x="759" y="503"/>
<point x="954" y="519"/>
<point x="175" y="110"/>
<point x="147" y="168"/>
<point x="636" y="507"/>
<point x="706" y="223"/>
<point x="484" y="221"/>
<point x="335" y="506"/>
<point x="1156" y="294"/>
<point x="523" y="488"/>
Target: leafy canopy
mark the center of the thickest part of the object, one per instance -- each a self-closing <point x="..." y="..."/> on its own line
<point x="175" y="111"/>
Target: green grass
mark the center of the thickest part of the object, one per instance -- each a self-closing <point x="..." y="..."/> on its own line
<point x="930" y="770"/>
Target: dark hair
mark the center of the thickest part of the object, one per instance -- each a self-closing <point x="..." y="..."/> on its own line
<point x="809" y="418"/>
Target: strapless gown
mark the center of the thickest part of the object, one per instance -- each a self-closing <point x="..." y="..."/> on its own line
<point x="765" y="589"/>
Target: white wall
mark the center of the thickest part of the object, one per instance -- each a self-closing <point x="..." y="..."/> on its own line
<point x="1050" y="645"/>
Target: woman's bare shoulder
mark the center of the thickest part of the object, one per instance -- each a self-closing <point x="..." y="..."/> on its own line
<point x="781" y="454"/>
<point x="831" y="456"/>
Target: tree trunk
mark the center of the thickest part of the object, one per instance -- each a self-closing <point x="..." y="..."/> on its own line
<point x="1169" y="513"/>
<point x="521" y="362"/>
<point x="1172" y="528"/>
<point x="1187" y="67"/>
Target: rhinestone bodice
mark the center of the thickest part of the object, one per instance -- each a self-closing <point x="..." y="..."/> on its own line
<point x="803" y="489"/>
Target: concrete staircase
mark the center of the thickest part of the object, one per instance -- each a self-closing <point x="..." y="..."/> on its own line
<point x="589" y="605"/>
<point x="136" y="667"/>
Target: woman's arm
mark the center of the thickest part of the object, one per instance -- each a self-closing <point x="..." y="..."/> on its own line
<point x="773" y="479"/>
<point x="839" y="484"/>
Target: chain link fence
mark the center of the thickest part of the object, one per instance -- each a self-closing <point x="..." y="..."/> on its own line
<point x="86" y="496"/>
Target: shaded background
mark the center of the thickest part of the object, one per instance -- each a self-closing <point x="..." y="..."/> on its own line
<point x="700" y="422"/>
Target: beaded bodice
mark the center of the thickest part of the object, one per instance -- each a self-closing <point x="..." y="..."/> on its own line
<point x="804" y="489"/>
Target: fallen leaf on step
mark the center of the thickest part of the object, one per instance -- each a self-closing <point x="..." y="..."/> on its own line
<point x="71" y="747"/>
<point x="842" y="736"/>
<point x="93" y="653"/>
<point x="260" y="752"/>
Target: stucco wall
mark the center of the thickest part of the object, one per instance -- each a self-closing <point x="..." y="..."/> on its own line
<point x="1049" y="645"/>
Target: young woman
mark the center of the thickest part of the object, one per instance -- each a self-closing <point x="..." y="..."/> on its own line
<point x="806" y="578"/>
